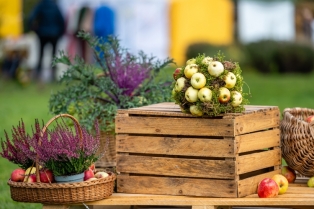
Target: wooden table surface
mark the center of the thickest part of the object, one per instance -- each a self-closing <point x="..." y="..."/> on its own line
<point x="297" y="196"/>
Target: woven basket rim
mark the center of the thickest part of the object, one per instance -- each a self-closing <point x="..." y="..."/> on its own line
<point x="111" y="177"/>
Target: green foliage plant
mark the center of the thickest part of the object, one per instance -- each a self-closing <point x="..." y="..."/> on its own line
<point x="117" y="80"/>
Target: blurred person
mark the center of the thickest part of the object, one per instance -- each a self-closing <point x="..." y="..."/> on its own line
<point x="48" y="23"/>
<point x="307" y="18"/>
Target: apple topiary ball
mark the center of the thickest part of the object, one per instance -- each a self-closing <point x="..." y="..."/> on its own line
<point x="209" y="86"/>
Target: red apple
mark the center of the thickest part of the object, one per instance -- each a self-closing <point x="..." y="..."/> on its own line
<point x="267" y="188"/>
<point x="289" y="173"/>
<point x="310" y="119"/>
<point x="31" y="178"/>
<point x="282" y="183"/>
<point x="88" y="174"/>
<point x="176" y="73"/>
<point x="18" y="175"/>
<point x="93" y="167"/>
<point x="46" y="176"/>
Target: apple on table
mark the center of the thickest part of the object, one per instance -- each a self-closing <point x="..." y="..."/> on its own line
<point x="267" y="188"/>
<point x="289" y="173"/>
<point x="282" y="182"/>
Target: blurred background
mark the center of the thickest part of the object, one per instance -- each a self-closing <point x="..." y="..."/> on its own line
<point x="271" y="36"/>
<point x="271" y="39"/>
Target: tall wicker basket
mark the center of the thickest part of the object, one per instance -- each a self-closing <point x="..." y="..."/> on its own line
<point x="107" y="143"/>
<point x="297" y="139"/>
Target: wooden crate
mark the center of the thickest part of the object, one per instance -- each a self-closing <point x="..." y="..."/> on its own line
<point x="161" y="150"/>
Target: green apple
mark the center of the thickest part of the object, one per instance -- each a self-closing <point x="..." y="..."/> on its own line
<point x="207" y="60"/>
<point x="215" y="68"/>
<point x="205" y="94"/>
<point x="224" y="95"/>
<point x="190" y="69"/>
<point x="230" y="80"/>
<point x="191" y="61"/>
<point x="180" y="83"/>
<point x="198" y="80"/>
<point x="236" y="98"/>
<point x="310" y="182"/>
<point x="195" y="110"/>
<point x="191" y="94"/>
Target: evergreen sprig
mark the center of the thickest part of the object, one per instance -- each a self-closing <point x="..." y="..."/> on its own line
<point x="117" y="80"/>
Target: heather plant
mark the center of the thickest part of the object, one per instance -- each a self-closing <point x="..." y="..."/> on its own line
<point x="18" y="149"/>
<point x="66" y="151"/>
<point x="117" y="80"/>
<point x="62" y="149"/>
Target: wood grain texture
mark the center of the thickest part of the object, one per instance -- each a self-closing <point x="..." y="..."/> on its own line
<point x="258" y="140"/>
<point x="184" y="167"/>
<point x="175" y="146"/>
<point x="174" y="126"/>
<point x="256" y="161"/>
<point x="176" y="186"/>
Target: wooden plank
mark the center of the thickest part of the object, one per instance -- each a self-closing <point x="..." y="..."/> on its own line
<point x="184" y="167"/>
<point x="258" y="140"/>
<point x="253" y="201"/>
<point x="258" y="121"/>
<point x="257" y="161"/>
<point x="174" y="126"/>
<point x="176" y="186"/>
<point x="249" y="185"/>
<point x="175" y="146"/>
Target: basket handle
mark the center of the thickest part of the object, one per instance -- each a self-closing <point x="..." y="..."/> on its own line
<point x="45" y="129"/>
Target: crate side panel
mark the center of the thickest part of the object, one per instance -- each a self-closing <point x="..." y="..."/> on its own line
<point x="174" y="126"/>
<point x="258" y="140"/>
<point x="257" y="121"/>
<point x="175" y="146"/>
<point x="257" y="161"/>
<point x="176" y="166"/>
<point x="249" y="185"/>
<point x="176" y="186"/>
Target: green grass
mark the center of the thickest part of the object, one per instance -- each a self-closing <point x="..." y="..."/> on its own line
<point x="31" y="102"/>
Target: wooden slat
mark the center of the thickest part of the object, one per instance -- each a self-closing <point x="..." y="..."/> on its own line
<point x="172" y="109"/>
<point x="175" y="146"/>
<point x="174" y="126"/>
<point x="261" y="120"/>
<point x="176" y="186"/>
<point x="258" y="140"/>
<point x="257" y="161"/>
<point x="176" y="166"/>
<point x="249" y="185"/>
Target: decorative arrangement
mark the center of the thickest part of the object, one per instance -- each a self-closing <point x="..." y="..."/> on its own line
<point x="209" y="86"/>
<point x="53" y="156"/>
<point x="117" y="80"/>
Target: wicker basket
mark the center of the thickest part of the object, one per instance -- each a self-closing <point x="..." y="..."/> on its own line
<point x="66" y="193"/>
<point x="107" y="143"/>
<point x="297" y="138"/>
<point x="62" y="193"/>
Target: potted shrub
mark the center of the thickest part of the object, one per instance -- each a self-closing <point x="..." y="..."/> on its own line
<point x="117" y="80"/>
